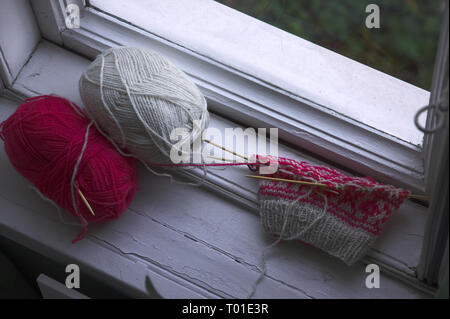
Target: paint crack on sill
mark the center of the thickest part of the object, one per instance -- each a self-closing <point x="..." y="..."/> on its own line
<point x="202" y="242"/>
<point x="235" y="258"/>
<point x="413" y="269"/>
<point x="146" y="260"/>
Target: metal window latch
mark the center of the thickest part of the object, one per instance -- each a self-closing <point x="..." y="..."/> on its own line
<point x="440" y="110"/>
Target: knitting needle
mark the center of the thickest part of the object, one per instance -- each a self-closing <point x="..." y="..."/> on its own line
<point x="294" y="181"/>
<point x="85" y="201"/>
<point x="256" y="176"/>
<point x="279" y="179"/>
<point x="225" y="149"/>
<point x="287" y="180"/>
<point x="420" y="197"/>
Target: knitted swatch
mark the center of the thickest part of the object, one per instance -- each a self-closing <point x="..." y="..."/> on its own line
<point x="344" y="224"/>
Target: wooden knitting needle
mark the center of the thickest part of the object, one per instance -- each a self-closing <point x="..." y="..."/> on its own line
<point x="294" y="181"/>
<point x="279" y="179"/>
<point x="257" y="176"/>
<point x="420" y="197"/>
<point x="287" y="180"/>
<point x="226" y="150"/>
<point x="85" y="202"/>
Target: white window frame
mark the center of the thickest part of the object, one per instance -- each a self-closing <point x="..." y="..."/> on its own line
<point x="89" y="42"/>
<point x="434" y="259"/>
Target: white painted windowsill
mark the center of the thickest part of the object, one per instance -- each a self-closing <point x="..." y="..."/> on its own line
<point x="206" y="245"/>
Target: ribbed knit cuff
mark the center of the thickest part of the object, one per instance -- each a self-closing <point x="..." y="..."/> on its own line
<point x="322" y="230"/>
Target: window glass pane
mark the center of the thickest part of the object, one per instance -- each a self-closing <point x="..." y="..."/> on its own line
<point x="403" y="46"/>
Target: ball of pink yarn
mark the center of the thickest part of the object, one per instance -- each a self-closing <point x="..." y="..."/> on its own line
<point x="44" y="139"/>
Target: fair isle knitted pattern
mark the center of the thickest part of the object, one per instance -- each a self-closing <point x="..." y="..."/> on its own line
<point x="343" y="225"/>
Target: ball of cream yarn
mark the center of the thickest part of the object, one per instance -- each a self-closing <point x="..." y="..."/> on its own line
<point x="137" y="97"/>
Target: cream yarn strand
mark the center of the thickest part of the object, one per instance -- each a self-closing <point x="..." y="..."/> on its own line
<point x="288" y="211"/>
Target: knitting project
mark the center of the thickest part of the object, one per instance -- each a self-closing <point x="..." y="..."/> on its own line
<point x="344" y="225"/>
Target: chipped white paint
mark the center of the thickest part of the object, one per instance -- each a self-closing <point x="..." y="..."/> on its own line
<point x="19" y="36"/>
